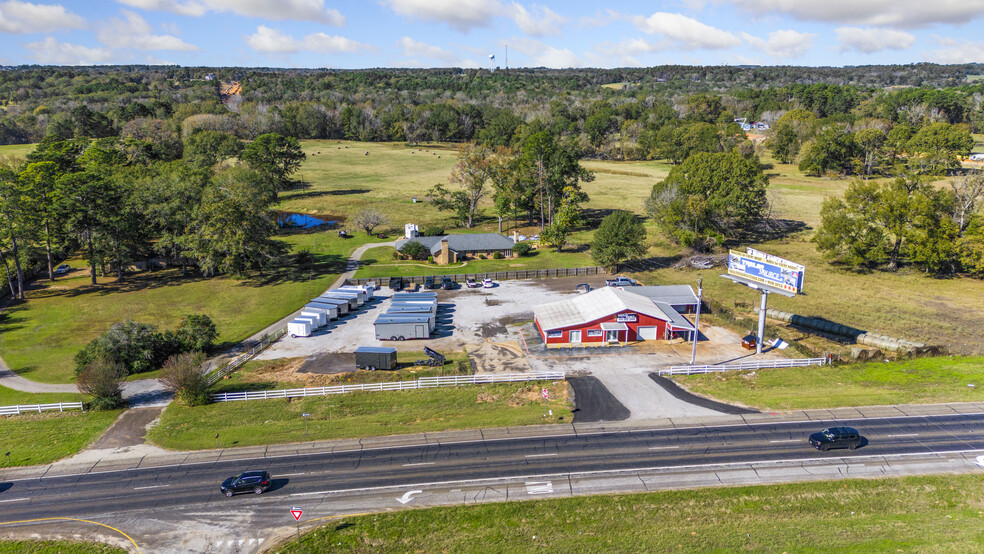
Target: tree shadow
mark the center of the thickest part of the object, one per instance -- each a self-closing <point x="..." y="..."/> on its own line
<point x="774" y="229"/>
<point x="291" y="273"/>
<point x="653" y="263"/>
<point x="592" y="217"/>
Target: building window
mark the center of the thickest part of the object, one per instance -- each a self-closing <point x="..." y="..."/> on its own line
<point x="555" y="334"/>
<point x="595" y="333"/>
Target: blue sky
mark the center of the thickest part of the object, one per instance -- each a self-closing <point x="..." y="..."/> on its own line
<point x="463" y="33"/>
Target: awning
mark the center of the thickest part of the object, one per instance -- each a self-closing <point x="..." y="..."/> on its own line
<point x="614" y="327"/>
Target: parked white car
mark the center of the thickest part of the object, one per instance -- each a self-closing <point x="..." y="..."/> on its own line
<point x="487" y="283"/>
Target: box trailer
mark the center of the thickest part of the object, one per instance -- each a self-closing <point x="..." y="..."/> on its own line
<point x="375" y="357"/>
<point x="346" y="294"/>
<point x="339" y="304"/>
<point x="319" y="315"/>
<point x="352" y="301"/>
<point x="431" y="318"/>
<point x="330" y="310"/>
<point x="312" y="318"/>
<point x="429" y="306"/>
<point x="299" y="328"/>
<point x="402" y="328"/>
<point x="414" y="295"/>
<point x="409" y="309"/>
<point x="363" y="295"/>
<point x="369" y="291"/>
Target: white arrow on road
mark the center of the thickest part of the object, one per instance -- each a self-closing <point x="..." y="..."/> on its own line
<point x="407" y="496"/>
<point x="980" y="461"/>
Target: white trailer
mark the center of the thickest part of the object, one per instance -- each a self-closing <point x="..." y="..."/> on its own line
<point x="359" y="296"/>
<point x="330" y="310"/>
<point x="352" y="300"/>
<point x="299" y="328"/>
<point x="369" y="291"/>
<point x="318" y="315"/>
<point x="411" y="316"/>
<point x="342" y="305"/>
<point x="402" y="328"/>
<point x="422" y="304"/>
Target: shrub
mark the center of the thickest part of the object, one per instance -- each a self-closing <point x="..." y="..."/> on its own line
<point x="184" y="375"/>
<point x="196" y="332"/>
<point x="497" y="255"/>
<point x="102" y="378"/>
<point x="522" y="248"/>
<point x="433" y="232"/>
<point x="304" y="257"/>
<point x="414" y="250"/>
<point x="136" y="346"/>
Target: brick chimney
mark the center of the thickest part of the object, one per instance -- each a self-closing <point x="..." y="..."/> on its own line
<point x="445" y="252"/>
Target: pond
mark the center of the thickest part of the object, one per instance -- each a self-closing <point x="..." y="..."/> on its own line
<point x="294" y="220"/>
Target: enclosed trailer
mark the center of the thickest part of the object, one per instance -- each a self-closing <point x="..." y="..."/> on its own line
<point x="318" y="315"/>
<point x="428" y="306"/>
<point x="351" y="300"/>
<point x="431" y="318"/>
<point x="409" y="309"/>
<point x="363" y="295"/>
<point x="299" y="328"/>
<point x="370" y="291"/>
<point x="414" y="295"/>
<point x="312" y="318"/>
<point x="402" y="328"/>
<point x="330" y="310"/>
<point x="340" y="304"/>
<point x="359" y="298"/>
<point x="375" y="357"/>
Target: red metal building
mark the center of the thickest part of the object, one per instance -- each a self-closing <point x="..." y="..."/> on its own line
<point x="608" y="317"/>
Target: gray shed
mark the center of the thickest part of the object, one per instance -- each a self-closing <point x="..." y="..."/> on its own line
<point x="402" y="328"/>
<point x="341" y="304"/>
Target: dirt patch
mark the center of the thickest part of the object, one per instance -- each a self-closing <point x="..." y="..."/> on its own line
<point x="486" y="397"/>
<point x="492" y="329"/>
<point x="498" y="357"/>
<point x="329" y="362"/>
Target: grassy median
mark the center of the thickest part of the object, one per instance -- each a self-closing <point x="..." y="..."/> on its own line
<point x="57" y="547"/>
<point x="43" y="438"/>
<point x="365" y="414"/>
<point x="919" y="381"/>
<point x="915" y="514"/>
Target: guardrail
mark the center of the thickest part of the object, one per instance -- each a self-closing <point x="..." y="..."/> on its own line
<point x="764" y="364"/>
<point x="496" y="275"/>
<point x="31" y="408"/>
<point x="422" y="383"/>
<point x="243" y="358"/>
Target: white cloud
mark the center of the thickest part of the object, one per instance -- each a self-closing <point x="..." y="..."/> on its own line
<point x="544" y="55"/>
<point x="869" y="40"/>
<point x="686" y="32"/>
<point x="956" y="51"/>
<point x="543" y="22"/>
<point x="782" y="44"/>
<point x="23" y="17"/>
<point x="462" y="15"/>
<point x="134" y="33"/>
<point x="272" y="41"/>
<point x="413" y="49"/>
<point x="901" y="13"/>
<point x="600" y="19"/>
<point x="274" y="10"/>
<point x="51" y="51"/>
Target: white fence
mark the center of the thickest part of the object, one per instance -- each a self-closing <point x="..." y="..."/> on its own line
<point x="763" y="364"/>
<point x="422" y="383"/>
<point x="243" y="358"/>
<point x="31" y="408"/>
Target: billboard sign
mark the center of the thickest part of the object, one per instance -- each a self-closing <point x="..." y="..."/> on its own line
<point x="767" y="269"/>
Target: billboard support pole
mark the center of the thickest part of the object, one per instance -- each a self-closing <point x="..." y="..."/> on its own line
<point x="761" y="329"/>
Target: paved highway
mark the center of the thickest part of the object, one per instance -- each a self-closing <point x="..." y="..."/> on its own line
<point x="172" y="495"/>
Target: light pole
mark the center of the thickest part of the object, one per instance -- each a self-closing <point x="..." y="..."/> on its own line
<point x="700" y="295"/>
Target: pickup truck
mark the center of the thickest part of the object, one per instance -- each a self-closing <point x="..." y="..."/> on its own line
<point x="620" y="282"/>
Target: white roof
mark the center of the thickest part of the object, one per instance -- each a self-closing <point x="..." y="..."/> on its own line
<point x="671" y="294"/>
<point x="599" y="303"/>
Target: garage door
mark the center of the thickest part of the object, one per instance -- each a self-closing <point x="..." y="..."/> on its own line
<point x="648" y="333"/>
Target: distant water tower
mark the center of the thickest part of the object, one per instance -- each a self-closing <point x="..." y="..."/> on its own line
<point x="492" y="63"/>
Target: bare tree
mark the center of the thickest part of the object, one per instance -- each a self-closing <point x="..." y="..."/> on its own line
<point x="969" y="191"/>
<point x="184" y="375"/>
<point x="103" y="379"/>
<point x="369" y="219"/>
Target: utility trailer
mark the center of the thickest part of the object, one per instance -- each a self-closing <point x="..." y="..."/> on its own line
<point x="415" y="326"/>
<point x="350" y="299"/>
<point x="435" y="359"/>
<point x="359" y="297"/>
<point x="318" y="315"/>
<point x="375" y="357"/>
<point x="299" y="328"/>
<point x="342" y="305"/>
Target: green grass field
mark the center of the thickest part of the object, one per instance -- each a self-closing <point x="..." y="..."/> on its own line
<point x="44" y="438"/>
<point x="56" y="547"/>
<point x="913" y="514"/>
<point x="10" y="397"/>
<point x="919" y="381"/>
<point x="379" y="262"/>
<point x="366" y="414"/>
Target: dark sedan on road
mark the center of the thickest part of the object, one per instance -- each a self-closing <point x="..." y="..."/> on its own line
<point x="836" y="437"/>
<point x="248" y="481"/>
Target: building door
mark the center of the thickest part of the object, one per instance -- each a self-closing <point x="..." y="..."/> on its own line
<point x="648" y="333"/>
<point x="611" y="336"/>
<point x="420" y="332"/>
<point x="575" y="336"/>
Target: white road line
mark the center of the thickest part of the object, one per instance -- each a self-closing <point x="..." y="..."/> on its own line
<point x="663" y="447"/>
<point x="310" y="493"/>
<point x="289" y="474"/>
<point x="14" y="499"/>
<point x="420" y="464"/>
<point x="151" y="487"/>
<point x="904" y="435"/>
<point x="540" y="455"/>
<point x="789" y="440"/>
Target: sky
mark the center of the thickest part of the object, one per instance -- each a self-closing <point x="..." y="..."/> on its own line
<point x="465" y="33"/>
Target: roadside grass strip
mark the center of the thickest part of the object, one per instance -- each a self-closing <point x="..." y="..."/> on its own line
<point x="912" y="514"/>
<point x="57" y="547"/>
<point x="43" y="438"/>
<point x="360" y="414"/>
<point x="919" y="381"/>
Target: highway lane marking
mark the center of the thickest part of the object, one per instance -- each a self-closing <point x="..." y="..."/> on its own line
<point x="420" y="464"/>
<point x="904" y="435"/>
<point x="289" y="474"/>
<point x="14" y="499"/>
<point x="309" y="493"/>
<point x="151" y="487"/>
<point x="75" y="519"/>
<point x="663" y="447"/>
<point x="540" y="455"/>
<point x="788" y="440"/>
<point x="539" y="487"/>
<point x="533" y="437"/>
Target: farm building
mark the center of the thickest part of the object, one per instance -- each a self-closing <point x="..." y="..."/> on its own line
<point x="451" y="249"/>
<point x="608" y="317"/>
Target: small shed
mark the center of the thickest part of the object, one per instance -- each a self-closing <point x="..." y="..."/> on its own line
<point x="375" y="357"/>
<point x="402" y="328"/>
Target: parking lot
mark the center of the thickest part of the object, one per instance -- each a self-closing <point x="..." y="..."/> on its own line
<point x="494" y="325"/>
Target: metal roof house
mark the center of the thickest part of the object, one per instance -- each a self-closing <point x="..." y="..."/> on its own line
<point x="681" y="297"/>
<point x="454" y="248"/>
<point x="608" y="316"/>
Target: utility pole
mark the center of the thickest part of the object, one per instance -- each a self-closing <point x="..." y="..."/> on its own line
<point x="700" y="295"/>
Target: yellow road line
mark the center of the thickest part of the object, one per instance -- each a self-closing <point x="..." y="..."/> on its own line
<point x="73" y="519"/>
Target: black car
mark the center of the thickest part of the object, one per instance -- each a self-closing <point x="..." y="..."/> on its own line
<point x="248" y="481"/>
<point x="429" y="283"/>
<point x="836" y="437"/>
<point x="447" y="283"/>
